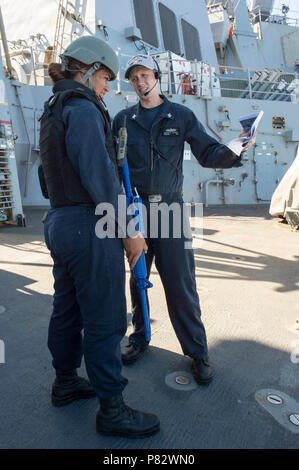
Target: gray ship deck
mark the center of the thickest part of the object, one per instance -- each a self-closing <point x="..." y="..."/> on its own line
<point x="247" y="274"/>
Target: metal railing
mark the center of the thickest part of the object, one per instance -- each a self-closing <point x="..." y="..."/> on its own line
<point x="272" y="85"/>
<point x="6" y="191"/>
<point x="180" y="76"/>
<point x="185" y="77"/>
<point x="23" y="58"/>
<point x="291" y="18"/>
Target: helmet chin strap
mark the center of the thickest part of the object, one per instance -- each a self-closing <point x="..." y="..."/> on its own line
<point x="87" y="73"/>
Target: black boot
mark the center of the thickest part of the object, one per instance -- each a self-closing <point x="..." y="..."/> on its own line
<point x="202" y="371"/>
<point x="68" y="386"/>
<point x="115" y="418"/>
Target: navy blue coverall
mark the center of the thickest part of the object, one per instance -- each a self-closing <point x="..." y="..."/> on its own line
<point x="155" y="159"/>
<point x="88" y="271"/>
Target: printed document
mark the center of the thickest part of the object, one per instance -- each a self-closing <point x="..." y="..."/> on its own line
<point x="249" y="124"/>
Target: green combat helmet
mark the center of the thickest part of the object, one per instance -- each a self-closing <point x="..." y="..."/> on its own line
<point x="91" y="50"/>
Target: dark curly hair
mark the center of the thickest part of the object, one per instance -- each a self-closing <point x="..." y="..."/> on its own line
<point x="56" y="74"/>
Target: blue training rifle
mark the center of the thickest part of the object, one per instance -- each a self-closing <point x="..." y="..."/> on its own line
<point x="139" y="270"/>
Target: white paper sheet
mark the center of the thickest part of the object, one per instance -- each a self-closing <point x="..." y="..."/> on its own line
<point x="236" y="145"/>
<point x="248" y="123"/>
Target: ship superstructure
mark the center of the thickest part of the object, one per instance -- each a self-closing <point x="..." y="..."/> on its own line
<point x="223" y="59"/>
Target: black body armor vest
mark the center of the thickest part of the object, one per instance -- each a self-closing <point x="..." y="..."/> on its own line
<point x="58" y="178"/>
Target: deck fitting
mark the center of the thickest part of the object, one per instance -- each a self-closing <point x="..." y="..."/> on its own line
<point x="286" y="414"/>
<point x="294" y="418"/>
<point x="274" y="399"/>
<point x="181" y="380"/>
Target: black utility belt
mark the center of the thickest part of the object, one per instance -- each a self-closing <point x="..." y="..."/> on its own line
<point x="160" y="197"/>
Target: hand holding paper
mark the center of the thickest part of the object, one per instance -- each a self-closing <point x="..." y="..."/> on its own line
<point x="248" y="135"/>
<point x="247" y="143"/>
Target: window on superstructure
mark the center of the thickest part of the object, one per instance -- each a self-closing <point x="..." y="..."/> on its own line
<point x="191" y="41"/>
<point x="169" y="29"/>
<point x="145" y="21"/>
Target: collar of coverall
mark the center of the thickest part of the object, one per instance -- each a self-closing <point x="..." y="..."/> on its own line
<point x="166" y="110"/>
<point x="69" y="84"/>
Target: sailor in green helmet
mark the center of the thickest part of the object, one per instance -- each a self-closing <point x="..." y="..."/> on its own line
<point x="79" y="165"/>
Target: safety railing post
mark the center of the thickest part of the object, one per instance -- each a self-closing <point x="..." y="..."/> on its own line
<point x="169" y="74"/>
<point x="118" y="90"/>
<point x="249" y="84"/>
<point x="196" y="78"/>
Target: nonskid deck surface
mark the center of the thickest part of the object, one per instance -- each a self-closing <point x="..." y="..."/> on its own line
<point x="247" y="278"/>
